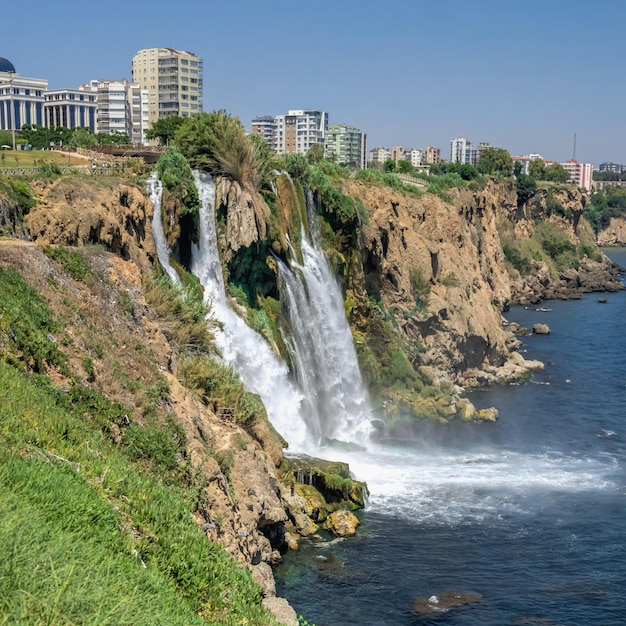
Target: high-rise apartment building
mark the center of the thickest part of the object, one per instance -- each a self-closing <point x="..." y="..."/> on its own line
<point x="460" y="150"/>
<point x="416" y="156"/>
<point x="298" y="130"/>
<point x="581" y="174"/>
<point x="122" y="107"/>
<point x="265" y="125"/>
<point x="432" y="155"/>
<point x="173" y="80"/>
<point x="347" y="144"/>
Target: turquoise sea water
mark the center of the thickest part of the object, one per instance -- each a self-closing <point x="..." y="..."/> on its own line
<point x="529" y="512"/>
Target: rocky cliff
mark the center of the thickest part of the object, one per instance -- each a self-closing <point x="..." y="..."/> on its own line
<point x="426" y="279"/>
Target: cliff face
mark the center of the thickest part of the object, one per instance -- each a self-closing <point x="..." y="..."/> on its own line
<point x="455" y="247"/>
<point x="614" y="234"/>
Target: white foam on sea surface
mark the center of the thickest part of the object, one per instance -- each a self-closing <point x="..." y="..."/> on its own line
<point x="451" y="487"/>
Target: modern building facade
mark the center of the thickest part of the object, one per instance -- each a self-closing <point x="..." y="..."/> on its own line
<point x="122" y="106"/>
<point x="416" y="157"/>
<point x="299" y="130"/>
<point x="265" y="125"/>
<point x="172" y="79"/>
<point x="379" y="155"/>
<point x="70" y="108"/>
<point x="432" y="155"/>
<point x="460" y="150"/>
<point x="581" y="174"/>
<point x="21" y="99"/>
<point x="347" y="144"/>
<point x="618" y="168"/>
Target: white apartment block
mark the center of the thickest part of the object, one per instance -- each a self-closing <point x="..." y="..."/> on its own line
<point x="173" y="80"/>
<point x="122" y="107"/>
<point x="460" y="150"/>
<point x="379" y="155"/>
<point x="416" y="157"/>
<point x="298" y="130"/>
<point x="347" y="144"/>
<point x="580" y="174"/>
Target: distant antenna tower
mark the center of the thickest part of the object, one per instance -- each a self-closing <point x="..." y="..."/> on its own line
<point x="574" y="154"/>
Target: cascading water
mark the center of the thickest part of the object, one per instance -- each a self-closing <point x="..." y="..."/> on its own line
<point x="155" y="189"/>
<point x="241" y="347"/>
<point x="336" y="402"/>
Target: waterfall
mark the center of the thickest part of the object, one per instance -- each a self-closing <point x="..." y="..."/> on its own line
<point x="336" y="402"/>
<point x="155" y="189"/>
<point x="261" y="371"/>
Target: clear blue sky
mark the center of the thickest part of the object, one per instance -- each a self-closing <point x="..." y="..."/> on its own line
<point x="522" y="75"/>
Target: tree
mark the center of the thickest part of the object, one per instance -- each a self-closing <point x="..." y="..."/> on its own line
<point x="165" y="129"/>
<point x="517" y="169"/>
<point x="82" y="138"/>
<point x="537" y="169"/>
<point x="495" y="161"/>
<point x="404" y="167"/>
<point x="113" y="138"/>
<point x="525" y="186"/>
<point x="217" y="142"/>
<point x="389" y="165"/>
<point x="557" y="173"/>
<point x="315" y="153"/>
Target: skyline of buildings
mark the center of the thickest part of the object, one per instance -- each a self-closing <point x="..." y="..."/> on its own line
<point x="168" y="82"/>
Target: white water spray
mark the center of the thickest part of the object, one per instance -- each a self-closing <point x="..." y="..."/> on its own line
<point x="155" y="189"/>
<point x="336" y="402"/>
<point x="261" y="371"/>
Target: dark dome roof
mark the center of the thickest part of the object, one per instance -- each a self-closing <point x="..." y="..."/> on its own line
<point x="6" y="65"/>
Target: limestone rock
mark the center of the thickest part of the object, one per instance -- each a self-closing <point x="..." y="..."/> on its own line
<point x="282" y="610"/>
<point x="342" y="523"/>
<point x="541" y="329"/>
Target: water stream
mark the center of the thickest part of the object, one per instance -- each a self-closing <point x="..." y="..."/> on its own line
<point x="155" y="189"/>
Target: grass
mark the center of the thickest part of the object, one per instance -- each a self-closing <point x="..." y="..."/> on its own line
<point x="34" y="158"/>
<point x="96" y="524"/>
<point x="90" y="535"/>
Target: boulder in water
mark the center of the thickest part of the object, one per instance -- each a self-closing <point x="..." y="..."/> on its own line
<point x="541" y="329"/>
<point x="444" y="601"/>
<point x="342" y="523"/>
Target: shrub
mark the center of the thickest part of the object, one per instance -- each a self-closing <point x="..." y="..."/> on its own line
<point x="420" y="287"/>
<point x="176" y="176"/>
<point x="72" y="261"/>
<point x="27" y="326"/>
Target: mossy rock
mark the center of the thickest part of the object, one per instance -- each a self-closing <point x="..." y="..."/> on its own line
<point x="316" y="505"/>
<point x="331" y="479"/>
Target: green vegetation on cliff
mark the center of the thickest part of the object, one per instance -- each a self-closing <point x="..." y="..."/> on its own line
<point x="97" y="526"/>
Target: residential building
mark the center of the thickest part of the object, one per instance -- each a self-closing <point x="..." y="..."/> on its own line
<point x="398" y="153"/>
<point x="618" y="168"/>
<point x="173" y="80"/>
<point x="70" y="108"/>
<point x="460" y="150"/>
<point x="416" y="157"/>
<point x="379" y="155"/>
<point x="432" y="155"/>
<point x="122" y="107"/>
<point x="347" y="144"/>
<point x="265" y="125"/>
<point x="298" y="130"/>
<point x="581" y="174"/>
<point x="21" y="99"/>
